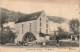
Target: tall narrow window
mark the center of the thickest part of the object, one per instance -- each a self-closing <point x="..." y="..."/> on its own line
<point x="47" y="31"/>
<point x="40" y="19"/>
<point x="46" y="25"/>
<point x="40" y="29"/>
<point x="47" y="21"/>
<point x="22" y="25"/>
<point x="22" y="29"/>
<point x="40" y="22"/>
<point x="30" y="27"/>
<point x="30" y="24"/>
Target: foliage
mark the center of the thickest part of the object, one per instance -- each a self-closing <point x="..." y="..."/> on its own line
<point x="7" y="36"/>
<point x="42" y="34"/>
<point x="63" y="34"/>
<point x="74" y="26"/>
<point x="7" y="15"/>
<point x="52" y="37"/>
<point x="28" y="37"/>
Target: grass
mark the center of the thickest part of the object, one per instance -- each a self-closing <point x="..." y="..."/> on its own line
<point x="63" y="44"/>
<point x="50" y="44"/>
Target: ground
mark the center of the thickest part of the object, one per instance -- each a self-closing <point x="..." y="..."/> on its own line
<point x="65" y="45"/>
<point x="56" y="49"/>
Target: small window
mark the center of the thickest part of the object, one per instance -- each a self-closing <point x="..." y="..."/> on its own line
<point x="40" y="24"/>
<point x="40" y="19"/>
<point x="30" y="29"/>
<point x="30" y="24"/>
<point x="46" y="25"/>
<point x="22" y="28"/>
<point x="40" y="29"/>
<point x="22" y="25"/>
<point x="46" y="21"/>
<point x="47" y="31"/>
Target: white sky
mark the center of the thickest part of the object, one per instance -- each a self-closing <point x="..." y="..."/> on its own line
<point x="63" y="8"/>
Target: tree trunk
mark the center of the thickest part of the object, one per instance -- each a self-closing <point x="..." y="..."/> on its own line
<point x="1" y="29"/>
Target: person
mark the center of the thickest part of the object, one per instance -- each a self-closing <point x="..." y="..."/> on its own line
<point x="57" y="38"/>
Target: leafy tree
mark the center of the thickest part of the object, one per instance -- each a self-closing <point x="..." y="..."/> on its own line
<point x="8" y="36"/>
<point x="63" y="34"/>
<point x="74" y="26"/>
<point x="60" y="29"/>
<point x="3" y="19"/>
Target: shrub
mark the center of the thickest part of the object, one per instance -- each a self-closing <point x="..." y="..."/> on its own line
<point x="64" y="35"/>
<point x="7" y="37"/>
<point x="42" y="34"/>
<point x="52" y="37"/>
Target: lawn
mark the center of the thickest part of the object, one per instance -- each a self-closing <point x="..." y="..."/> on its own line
<point x="63" y="43"/>
<point x="49" y="44"/>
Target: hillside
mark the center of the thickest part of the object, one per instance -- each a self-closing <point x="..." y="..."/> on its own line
<point x="55" y="22"/>
<point x="8" y="15"/>
<point x="57" y="19"/>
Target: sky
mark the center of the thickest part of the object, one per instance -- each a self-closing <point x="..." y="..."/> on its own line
<point x="63" y="8"/>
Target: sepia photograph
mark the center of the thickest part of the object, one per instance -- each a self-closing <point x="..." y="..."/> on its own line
<point x="39" y="25"/>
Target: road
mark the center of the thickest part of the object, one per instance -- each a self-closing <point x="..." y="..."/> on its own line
<point x="24" y="49"/>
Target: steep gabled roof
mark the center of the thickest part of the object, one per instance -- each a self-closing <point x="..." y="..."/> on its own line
<point x="29" y="17"/>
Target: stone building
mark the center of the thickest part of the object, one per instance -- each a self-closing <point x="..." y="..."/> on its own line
<point x="35" y="22"/>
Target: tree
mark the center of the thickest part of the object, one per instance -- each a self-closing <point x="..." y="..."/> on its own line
<point x="3" y="19"/>
<point x="8" y="36"/>
<point x="74" y="26"/>
<point x="63" y="34"/>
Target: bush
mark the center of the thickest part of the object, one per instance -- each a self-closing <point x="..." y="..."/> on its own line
<point x="52" y="37"/>
<point x="42" y="34"/>
<point x="64" y="35"/>
<point x="7" y="37"/>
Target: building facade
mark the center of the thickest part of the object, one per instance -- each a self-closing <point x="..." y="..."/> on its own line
<point x="35" y="22"/>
